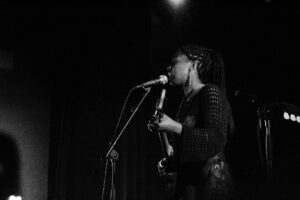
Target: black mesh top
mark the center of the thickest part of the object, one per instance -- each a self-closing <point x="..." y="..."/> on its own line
<point x="204" y="117"/>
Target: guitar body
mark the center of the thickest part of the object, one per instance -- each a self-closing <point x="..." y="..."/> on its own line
<point x="166" y="167"/>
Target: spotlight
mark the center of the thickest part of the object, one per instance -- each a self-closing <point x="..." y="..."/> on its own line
<point x="286" y="116"/>
<point x="293" y="117"/>
<point x="176" y="3"/>
<point x="298" y="119"/>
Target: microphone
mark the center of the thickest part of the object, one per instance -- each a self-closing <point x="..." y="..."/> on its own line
<point x="163" y="79"/>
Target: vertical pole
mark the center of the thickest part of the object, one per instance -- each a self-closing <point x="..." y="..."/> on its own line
<point x="268" y="146"/>
<point x="259" y="132"/>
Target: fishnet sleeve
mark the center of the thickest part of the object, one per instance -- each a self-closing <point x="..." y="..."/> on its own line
<point x="203" y="142"/>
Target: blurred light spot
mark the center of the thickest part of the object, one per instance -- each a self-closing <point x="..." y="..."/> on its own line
<point x="293" y="117"/>
<point x="286" y="116"/>
<point x="298" y="119"/>
<point x="13" y="197"/>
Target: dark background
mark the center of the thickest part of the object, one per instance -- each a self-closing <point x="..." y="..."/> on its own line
<point x="89" y="55"/>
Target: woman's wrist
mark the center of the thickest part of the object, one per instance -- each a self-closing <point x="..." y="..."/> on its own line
<point x="178" y="128"/>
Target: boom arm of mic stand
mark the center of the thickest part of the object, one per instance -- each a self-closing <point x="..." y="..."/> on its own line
<point x="125" y="126"/>
<point x="111" y="150"/>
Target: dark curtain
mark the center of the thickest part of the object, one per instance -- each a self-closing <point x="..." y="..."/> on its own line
<point x="100" y="56"/>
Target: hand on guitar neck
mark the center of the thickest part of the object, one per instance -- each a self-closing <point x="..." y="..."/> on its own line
<point x="164" y="141"/>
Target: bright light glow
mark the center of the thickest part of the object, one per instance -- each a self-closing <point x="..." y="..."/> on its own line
<point x="13" y="197"/>
<point x="176" y="3"/>
<point x="286" y="116"/>
<point x="298" y="119"/>
<point x="293" y="117"/>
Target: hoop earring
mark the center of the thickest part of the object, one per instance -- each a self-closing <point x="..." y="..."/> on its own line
<point x="189" y="79"/>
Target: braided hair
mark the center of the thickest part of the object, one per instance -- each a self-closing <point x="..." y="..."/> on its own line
<point x="210" y="68"/>
<point x="209" y="64"/>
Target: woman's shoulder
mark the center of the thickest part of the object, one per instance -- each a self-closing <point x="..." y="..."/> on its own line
<point x="210" y="88"/>
<point x="211" y="93"/>
<point x="208" y="91"/>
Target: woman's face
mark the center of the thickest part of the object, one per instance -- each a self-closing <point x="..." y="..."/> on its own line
<point x="179" y="69"/>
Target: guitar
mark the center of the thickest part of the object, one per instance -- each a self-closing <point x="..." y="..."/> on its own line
<point x="168" y="177"/>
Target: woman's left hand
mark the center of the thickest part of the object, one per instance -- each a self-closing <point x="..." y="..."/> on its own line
<point x="165" y="123"/>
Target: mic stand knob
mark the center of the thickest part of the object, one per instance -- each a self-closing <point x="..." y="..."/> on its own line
<point x="113" y="158"/>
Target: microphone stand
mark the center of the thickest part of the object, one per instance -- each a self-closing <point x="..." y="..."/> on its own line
<point x="263" y="129"/>
<point x="112" y="155"/>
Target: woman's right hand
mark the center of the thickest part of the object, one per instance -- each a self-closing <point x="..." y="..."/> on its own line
<point x="162" y="166"/>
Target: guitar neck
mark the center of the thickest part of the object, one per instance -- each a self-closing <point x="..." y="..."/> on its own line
<point x="165" y="145"/>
